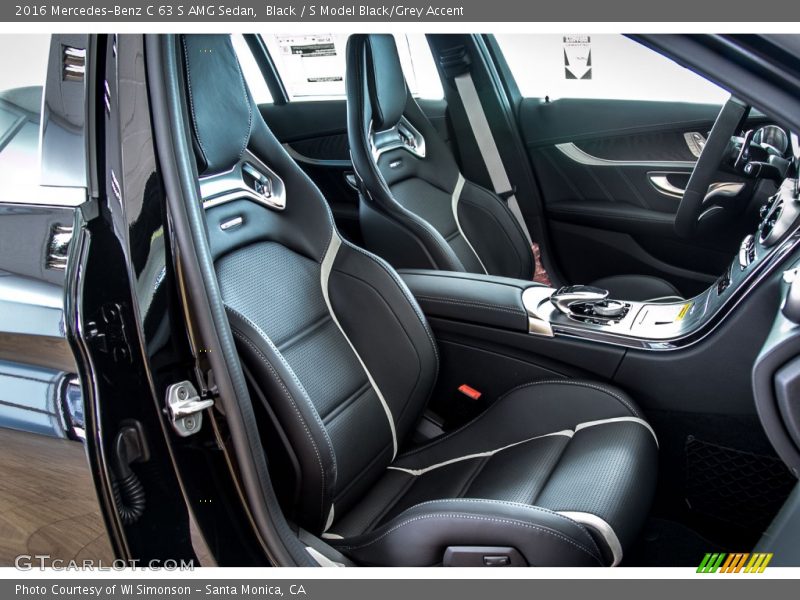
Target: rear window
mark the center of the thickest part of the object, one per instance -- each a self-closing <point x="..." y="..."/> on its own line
<point x="312" y="66"/>
<point x="605" y="66"/>
<point x="252" y="74"/>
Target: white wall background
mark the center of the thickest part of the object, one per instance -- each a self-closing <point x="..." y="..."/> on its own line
<point x="25" y="59"/>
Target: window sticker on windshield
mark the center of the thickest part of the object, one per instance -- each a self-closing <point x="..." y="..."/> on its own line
<point x="314" y="64"/>
<point x="577" y="57"/>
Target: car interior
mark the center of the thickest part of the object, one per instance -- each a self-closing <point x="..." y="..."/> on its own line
<point x="496" y="330"/>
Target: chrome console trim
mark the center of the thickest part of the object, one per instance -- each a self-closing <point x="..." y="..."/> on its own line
<point x="532" y="298"/>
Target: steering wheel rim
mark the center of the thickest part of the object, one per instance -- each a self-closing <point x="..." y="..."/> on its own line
<point x="691" y="205"/>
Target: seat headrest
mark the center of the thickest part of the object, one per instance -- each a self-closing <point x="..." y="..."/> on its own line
<point x="386" y="84"/>
<point x="219" y="101"/>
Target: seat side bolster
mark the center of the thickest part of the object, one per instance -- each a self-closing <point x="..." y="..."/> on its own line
<point x="495" y="233"/>
<point x="420" y="535"/>
<point x="298" y="418"/>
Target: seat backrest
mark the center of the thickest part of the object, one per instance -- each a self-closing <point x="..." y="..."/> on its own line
<point x="334" y="341"/>
<point x="419" y="210"/>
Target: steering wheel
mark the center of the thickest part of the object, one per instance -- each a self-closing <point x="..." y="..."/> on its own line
<point x="707" y="165"/>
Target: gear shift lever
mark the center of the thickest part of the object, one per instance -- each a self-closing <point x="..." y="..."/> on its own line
<point x="564" y="296"/>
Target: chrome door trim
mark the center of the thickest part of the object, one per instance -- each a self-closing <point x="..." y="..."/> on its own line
<point x="660" y="181"/>
<point x="571" y="151"/>
<point x="317" y="162"/>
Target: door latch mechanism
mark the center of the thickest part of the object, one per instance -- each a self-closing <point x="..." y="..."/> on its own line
<point x="185" y="408"/>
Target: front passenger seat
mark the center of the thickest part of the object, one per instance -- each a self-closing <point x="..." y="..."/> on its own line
<point x="419" y="210"/>
<point x="554" y="473"/>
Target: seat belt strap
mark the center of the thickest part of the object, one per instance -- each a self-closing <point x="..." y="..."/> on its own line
<point x="487" y="146"/>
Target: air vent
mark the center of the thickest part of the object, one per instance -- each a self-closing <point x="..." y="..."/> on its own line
<point x="74" y="63"/>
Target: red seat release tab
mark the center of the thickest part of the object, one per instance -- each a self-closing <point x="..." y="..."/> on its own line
<point x="469" y="392"/>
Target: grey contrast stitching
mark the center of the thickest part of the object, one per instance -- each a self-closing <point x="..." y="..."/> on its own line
<point x="515" y="505"/>
<point x="297" y="382"/>
<point x="469" y="517"/>
<point x="264" y="359"/>
<point x="376" y="518"/>
<point x="404" y="290"/>
<point x="504" y="396"/>
<point x="503" y="206"/>
<point x="191" y="98"/>
<point x="472" y="303"/>
<point x="246" y="137"/>
<point x="420" y="223"/>
<point x="585" y="384"/>
<point x="504" y="503"/>
<point x="423" y="225"/>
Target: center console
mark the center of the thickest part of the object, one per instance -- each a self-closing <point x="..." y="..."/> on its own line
<point x="666" y="323"/>
<point x="588" y="313"/>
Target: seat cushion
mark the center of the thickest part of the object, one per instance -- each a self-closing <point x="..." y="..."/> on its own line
<point x="562" y="470"/>
<point x="639" y="288"/>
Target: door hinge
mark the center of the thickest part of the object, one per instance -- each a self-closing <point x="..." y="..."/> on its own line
<point x="185" y="408"/>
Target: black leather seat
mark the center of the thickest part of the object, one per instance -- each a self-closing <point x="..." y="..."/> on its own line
<point x="421" y="212"/>
<point x="343" y="358"/>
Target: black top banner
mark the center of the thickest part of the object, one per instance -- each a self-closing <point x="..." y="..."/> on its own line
<point x="476" y="11"/>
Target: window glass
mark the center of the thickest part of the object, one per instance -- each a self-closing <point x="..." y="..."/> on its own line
<point x="606" y="66"/>
<point x="21" y="85"/>
<point x="252" y="74"/>
<point x="312" y="66"/>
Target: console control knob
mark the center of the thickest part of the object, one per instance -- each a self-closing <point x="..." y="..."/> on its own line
<point x="609" y="308"/>
<point x="573" y="294"/>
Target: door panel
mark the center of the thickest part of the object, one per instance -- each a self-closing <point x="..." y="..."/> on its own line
<point x="315" y="134"/>
<point x="574" y="119"/>
<point x="611" y="174"/>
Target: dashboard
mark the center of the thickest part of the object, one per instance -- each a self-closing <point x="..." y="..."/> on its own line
<point x="671" y="325"/>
